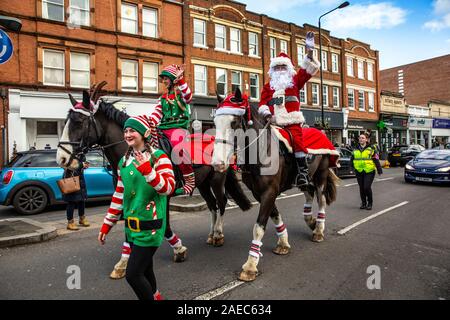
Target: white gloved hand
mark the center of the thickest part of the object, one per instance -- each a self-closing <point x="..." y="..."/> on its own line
<point x="309" y="41"/>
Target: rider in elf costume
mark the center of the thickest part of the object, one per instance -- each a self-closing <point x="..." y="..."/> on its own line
<point x="172" y="117"/>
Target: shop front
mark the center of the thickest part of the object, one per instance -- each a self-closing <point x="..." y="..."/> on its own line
<point x="357" y="127"/>
<point x="334" y="123"/>
<point x="419" y="131"/>
<point x="440" y="132"/>
<point x="393" y="131"/>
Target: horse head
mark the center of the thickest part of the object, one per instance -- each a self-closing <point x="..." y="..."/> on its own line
<point x="81" y="130"/>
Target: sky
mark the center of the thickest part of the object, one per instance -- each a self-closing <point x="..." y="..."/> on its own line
<point x="403" y="31"/>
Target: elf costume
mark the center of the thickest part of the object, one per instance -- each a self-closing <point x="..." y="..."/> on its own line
<point x="172" y="117"/>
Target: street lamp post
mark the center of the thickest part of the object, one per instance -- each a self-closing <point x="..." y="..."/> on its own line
<point x="342" y="5"/>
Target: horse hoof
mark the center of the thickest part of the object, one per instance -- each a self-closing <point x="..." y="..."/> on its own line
<point x="317" y="238"/>
<point x="210" y="240"/>
<point x="281" y="250"/>
<point x="218" y="242"/>
<point x="180" y="257"/>
<point x="247" y="276"/>
<point x="312" y="224"/>
<point x="117" y="274"/>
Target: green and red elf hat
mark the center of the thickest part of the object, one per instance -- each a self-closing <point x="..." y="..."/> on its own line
<point x="170" y="72"/>
<point x="139" y="123"/>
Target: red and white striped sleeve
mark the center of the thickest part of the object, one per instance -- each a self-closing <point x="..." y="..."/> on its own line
<point x="116" y="207"/>
<point x="154" y="120"/>
<point x="186" y="92"/>
<point x="161" y="176"/>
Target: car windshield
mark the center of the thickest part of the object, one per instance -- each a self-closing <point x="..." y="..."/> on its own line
<point x="39" y="160"/>
<point x="434" y="155"/>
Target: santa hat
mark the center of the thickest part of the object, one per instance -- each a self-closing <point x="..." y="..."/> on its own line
<point x="170" y="72"/>
<point x="139" y="123"/>
<point x="229" y="106"/>
<point x="281" y="59"/>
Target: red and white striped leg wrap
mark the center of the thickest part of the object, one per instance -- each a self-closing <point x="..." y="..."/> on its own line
<point x="255" y="249"/>
<point x="307" y="210"/>
<point x="189" y="183"/>
<point x="126" y="250"/>
<point x="281" y="229"/>
<point x="174" y="241"/>
<point x="321" y="217"/>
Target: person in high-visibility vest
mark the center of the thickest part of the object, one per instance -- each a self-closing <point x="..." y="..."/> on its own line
<point x="365" y="161"/>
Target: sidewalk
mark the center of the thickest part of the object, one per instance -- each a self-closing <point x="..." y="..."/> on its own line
<point x="18" y="231"/>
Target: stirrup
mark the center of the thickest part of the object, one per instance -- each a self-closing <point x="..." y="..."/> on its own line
<point x="302" y="179"/>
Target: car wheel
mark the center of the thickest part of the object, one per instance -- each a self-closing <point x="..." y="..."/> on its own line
<point x="30" y="200"/>
<point x="408" y="180"/>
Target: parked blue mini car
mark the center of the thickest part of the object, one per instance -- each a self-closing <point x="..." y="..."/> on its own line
<point x="28" y="182"/>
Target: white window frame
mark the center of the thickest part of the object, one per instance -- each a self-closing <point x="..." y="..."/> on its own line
<point x="253" y="45"/>
<point x="240" y="79"/>
<point x="63" y="69"/>
<point x="225" y="73"/>
<point x="284" y="46"/>
<point x="150" y="23"/>
<point x="370" y="71"/>
<point x="350" y="67"/>
<point x="235" y="41"/>
<point x="301" y="53"/>
<point x="257" y="86"/>
<point x="122" y="6"/>
<point x="316" y="54"/>
<point x="325" y="95"/>
<point x="371" y="100"/>
<point x="202" y="33"/>
<point x="336" y="97"/>
<point x="273" y="47"/>
<point x="363" y="108"/>
<point x="223" y="38"/>
<point x="72" y="69"/>
<point x="351" y="92"/>
<point x="324" y="61"/>
<point x="205" y="79"/>
<point x="360" y="69"/>
<point x="303" y="90"/>
<point x="335" y="62"/>
<point x="135" y="62"/>
<point x="315" y="93"/>
<point x="151" y="77"/>
<point x="73" y="14"/>
<point x="45" y="12"/>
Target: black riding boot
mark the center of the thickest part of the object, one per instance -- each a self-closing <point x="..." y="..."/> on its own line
<point x="302" y="178"/>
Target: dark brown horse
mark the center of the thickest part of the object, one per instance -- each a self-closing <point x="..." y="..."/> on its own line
<point x="272" y="172"/>
<point x="98" y="124"/>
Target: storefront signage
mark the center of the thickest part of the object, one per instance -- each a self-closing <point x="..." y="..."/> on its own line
<point x="419" y="122"/>
<point x="441" y="123"/>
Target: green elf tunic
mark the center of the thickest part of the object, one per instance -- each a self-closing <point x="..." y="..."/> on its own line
<point x="141" y="194"/>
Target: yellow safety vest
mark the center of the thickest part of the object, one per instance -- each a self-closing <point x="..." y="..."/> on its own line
<point x="363" y="160"/>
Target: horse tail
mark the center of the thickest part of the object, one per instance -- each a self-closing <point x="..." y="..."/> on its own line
<point x="233" y="188"/>
<point x="330" y="191"/>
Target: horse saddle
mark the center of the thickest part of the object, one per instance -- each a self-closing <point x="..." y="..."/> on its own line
<point x="166" y="146"/>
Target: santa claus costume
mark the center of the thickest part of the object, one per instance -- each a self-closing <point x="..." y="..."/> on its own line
<point x="280" y="100"/>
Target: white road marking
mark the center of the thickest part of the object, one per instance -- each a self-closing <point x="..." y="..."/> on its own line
<point x="376" y="180"/>
<point x="220" y="291"/>
<point x="350" y="184"/>
<point x="279" y="198"/>
<point x="373" y="216"/>
<point x="384" y="179"/>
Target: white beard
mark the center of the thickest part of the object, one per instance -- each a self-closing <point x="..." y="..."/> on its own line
<point x="281" y="80"/>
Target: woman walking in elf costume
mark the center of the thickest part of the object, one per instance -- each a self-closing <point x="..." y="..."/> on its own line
<point x="145" y="179"/>
<point x="172" y="117"/>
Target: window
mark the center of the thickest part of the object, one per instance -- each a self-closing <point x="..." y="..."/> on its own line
<point x="46" y="128"/>
<point x="53" y="9"/>
<point x="200" y="80"/>
<point x="129" y="75"/>
<point x="325" y="95"/>
<point x="315" y="94"/>
<point x="149" y="77"/>
<point x="361" y="103"/>
<point x="334" y="63"/>
<point x="79" y="12"/>
<point x="129" y="18"/>
<point x="254" y="86"/>
<point x="324" y="61"/>
<point x="335" y="97"/>
<point x="283" y="46"/>
<point x="253" y="44"/>
<point x="221" y="37"/>
<point x="350" y="67"/>
<point x="54" y="74"/>
<point x="80" y="70"/>
<point x="361" y="69"/>
<point x="150" y="22"/>
<point x="300" y="54"/>
<point x="221" y="81"/>
<point x="236" y="80"/>
<point x="316" y="54"/>
<point x="199" y="33"/>
<point x="370" y="71"/>
<point x="351" y="99"/>
<point x="303" y="94"/>
<point x="273" y="48"/>
<point x="235" y="40"/>
<point x="371" y="98"/>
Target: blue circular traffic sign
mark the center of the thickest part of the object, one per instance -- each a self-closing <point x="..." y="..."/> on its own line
<point x="6" y="47"/>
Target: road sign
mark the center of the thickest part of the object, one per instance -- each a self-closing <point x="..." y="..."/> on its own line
<point x="6" y="47"/>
